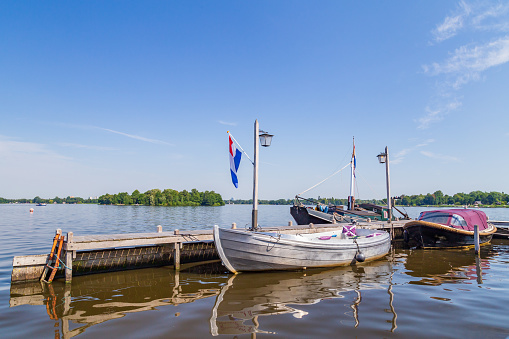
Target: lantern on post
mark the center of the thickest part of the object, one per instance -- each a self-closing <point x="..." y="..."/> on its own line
<point x="265" y="138"/>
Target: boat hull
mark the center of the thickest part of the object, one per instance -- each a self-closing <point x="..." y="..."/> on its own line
<point x="502" y="229"/>
<point x="243" y="251"/>
<point x="502" y="233"/>
<point x="304" y="216"/>
<point x="430" y="235"/>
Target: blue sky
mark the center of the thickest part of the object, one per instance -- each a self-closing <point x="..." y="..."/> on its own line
<point x="106" y="96"/>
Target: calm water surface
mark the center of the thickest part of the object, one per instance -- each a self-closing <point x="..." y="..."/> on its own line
<point x="410" y="293"/>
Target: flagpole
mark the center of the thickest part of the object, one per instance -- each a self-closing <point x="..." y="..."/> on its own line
<point x="254" y="216"/>
<point x="351" y="200"/>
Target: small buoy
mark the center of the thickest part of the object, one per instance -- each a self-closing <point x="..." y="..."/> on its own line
<point x="360" y="257"/>
<point x="31" y="210"/>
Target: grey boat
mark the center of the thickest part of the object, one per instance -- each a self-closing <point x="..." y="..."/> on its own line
<point x="245" y="250"/>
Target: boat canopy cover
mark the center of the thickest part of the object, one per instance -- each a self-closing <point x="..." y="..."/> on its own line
<point x="457" y="218"/>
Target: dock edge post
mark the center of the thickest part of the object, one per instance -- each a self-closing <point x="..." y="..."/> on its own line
<point x="476" y="238"/>
<point x="68" y="259"/>
<point x="176" y="256"/>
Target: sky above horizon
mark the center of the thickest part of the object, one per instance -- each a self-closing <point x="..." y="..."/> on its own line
<point x="105" y="97"/>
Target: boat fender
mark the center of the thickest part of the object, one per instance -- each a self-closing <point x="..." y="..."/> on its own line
<point x="405" y="235"/>
<point x="360" y="257"/>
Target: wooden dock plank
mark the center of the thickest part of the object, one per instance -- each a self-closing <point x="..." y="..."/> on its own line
<point x="29" y="260"/>
<point x="129" y="242"/>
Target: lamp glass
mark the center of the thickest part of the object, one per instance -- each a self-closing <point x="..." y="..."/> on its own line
<point x="382" y="157"/>
<point x="265" y="139"/>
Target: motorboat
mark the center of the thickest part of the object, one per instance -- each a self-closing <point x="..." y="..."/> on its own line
<point x="447" y="228"/>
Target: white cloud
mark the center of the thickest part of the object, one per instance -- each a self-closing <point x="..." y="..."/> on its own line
<point x="481" y="20"/>
<point x="452" y="24"/>
<point x="137" y="137"/>
<point x="227" y="123"/>
<point x="466" y="63"/>
<point x="445" y="158"/>
<point x="90" y="127"/>
<point x="426" y="142"/>
<point x="400" y="156"/>
<point x="475" y="16"/>
<point x="437" y="114"/>
<point x="96" y="148"/>
<point x="11" y="150"/>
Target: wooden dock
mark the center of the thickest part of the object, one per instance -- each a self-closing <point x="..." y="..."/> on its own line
<point x="115" y="252"/>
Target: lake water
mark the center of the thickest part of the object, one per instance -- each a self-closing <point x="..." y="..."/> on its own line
<point x="410" y="293"/>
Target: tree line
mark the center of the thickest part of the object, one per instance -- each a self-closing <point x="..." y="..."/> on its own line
<point x="167" y="197"/>
<point x="170" y="197"/>
<point x="325" y="201"/>
<point x="430" y="199"/>
<point x="438" y="198"/>
<point x="37" y="200"/>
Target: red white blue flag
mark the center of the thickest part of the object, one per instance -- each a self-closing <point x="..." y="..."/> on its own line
<point x="354" y="160"/>
<point x="235" y="156"/>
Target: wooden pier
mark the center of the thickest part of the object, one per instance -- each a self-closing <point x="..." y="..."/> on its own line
<point x="116" y="252"/>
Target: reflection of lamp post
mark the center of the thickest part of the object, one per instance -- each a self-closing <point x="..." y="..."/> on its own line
<point x="265" y="140"/>
<point x="383" y="158"/>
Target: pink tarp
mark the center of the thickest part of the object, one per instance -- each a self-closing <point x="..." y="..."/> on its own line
<point x="472" y="217"/>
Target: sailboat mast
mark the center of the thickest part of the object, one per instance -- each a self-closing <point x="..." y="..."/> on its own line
<point x="351" y="198"/>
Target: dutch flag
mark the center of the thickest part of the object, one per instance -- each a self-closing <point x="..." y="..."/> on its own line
<point x="235" y="156"/>
<point x="354" y="160"/>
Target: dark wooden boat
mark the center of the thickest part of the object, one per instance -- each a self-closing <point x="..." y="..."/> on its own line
<point x="448" y="228"/>
<point x="502" y="229"/>
<point x="322" y="214"/>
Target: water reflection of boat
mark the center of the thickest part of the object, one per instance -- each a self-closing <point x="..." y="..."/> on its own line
<point x="246" y="297"/>
<point x="448" y="266"/>
<point x="95" y="299"/>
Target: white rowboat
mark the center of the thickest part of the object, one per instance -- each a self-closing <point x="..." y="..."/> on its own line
<point x="244" y="250"/>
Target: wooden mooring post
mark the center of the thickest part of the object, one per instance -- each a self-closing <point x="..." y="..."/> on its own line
<point x="176" y="253"/>
<point x="476" y="239"/>
<point x="69" y="256"/>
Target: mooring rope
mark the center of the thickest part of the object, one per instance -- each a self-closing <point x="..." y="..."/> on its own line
<point x="70" y="269"/>
<point x="330" y="176"/>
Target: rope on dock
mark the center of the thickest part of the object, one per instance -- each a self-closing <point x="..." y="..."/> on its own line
<point x="63" y="264"/>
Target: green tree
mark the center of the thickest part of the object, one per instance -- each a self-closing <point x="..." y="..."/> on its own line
<point x="196" y="197"/>
<point x="439" y="197"/>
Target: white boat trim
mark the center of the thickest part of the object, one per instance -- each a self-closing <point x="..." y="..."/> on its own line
<point x="220" y="251"/>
